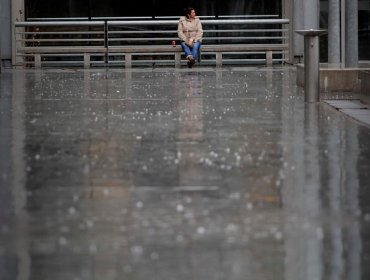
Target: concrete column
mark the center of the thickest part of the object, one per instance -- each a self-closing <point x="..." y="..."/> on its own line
<point x="334" y="33"/>
<point x="17" y="15"/>
<point x="1" y="62"/>
<point x="351" y="33"/>
<point x="311" y="10"/>
<point x="298" y="24"/>
<point x="5" y="30"/>
<point x="288" y="13"/>
<point x="1" y="35"/>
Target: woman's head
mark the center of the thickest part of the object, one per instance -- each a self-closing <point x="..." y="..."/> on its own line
<point x="189" y="12"/>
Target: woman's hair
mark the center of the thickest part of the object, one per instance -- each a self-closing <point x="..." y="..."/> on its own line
<point x="187" y="11"/>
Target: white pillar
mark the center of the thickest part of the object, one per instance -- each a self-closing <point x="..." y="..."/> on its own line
<point x="298" y="24"/>
<point x="351" y="33"/>
<point x="334" y="33"/>
<point x="288" y="13"/>
<point x="311" y="10"/>
<point x="17" y="9"/>
<point x="5" y="29"/>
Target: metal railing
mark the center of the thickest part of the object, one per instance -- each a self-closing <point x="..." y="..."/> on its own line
<point x="149" y="18"/>
<point x="110" y="33"/>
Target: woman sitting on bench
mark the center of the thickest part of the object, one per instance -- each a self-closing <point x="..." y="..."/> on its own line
<point x="190" y="33"/>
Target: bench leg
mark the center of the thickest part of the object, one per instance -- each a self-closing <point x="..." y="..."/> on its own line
<point x="128" y="60"/>
<point x="177" y="60"/>
<point x="218" y="59"/>
<point x="37" y="60"/>
<point x="269" y="58"/>
<point x="86" y="60"/>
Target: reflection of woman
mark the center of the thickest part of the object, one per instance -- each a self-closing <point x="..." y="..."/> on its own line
<point x="190" y="33"/>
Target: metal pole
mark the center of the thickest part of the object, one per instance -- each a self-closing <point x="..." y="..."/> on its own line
<point x="17" y="9"/>
<point x="351" y="40"/>
<point x="334" y="33"/>
<point x="311" y="64"/>
<point x="342" y="31"/>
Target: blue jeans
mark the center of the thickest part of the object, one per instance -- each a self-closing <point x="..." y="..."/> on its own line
<point x="194" y="50"/>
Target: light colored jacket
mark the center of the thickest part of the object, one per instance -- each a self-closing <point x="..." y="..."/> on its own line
<point x="190" y="28"/>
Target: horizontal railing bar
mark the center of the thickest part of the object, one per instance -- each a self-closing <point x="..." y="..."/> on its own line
<point x="205" y="31"/>
<point x="204" y="22"/>
<point x="61" y="40"/>
<point x="204" y="38"/>
<point x="205" y="52"/>
<point x="144" y="32"/>
<point x="121" y="18"/>
<point x="143" y="17"/>
<point x="57" y="19"/>
<point x="62" y="33"/>
<point x="252" y="52"/>
<point x="245" y="38"/>
<point x="203" y="60"/>
<point x="247" y="16"/>
<point x="58" y="23"/>
<point x="64" y="54"/>
<point x="148" y="22"/>
<point x="142" y="53"/>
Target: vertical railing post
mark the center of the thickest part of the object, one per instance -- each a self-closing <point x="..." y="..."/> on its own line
<point x="311" y="64"/>
<point x="1" y="59"/>
<point x="106" y="55"/>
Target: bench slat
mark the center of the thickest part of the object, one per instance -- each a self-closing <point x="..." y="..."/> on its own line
<point x="205" y="48"/>
<point x="59" y="49"/>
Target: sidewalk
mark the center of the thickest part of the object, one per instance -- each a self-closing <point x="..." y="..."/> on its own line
<point x="169" y="173"/>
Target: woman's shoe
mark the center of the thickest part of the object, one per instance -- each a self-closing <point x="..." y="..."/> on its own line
<point x="191" y="61"/>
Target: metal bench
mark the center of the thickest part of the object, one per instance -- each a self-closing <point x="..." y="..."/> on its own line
<point x="131" y="42"/>
<point x="59" y="42"/>
<point x="39" y="52"/>
<point x="222" y="38"/>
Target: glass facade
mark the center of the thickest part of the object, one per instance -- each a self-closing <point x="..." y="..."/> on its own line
<point x="157" y="8"/>
<point x="363" y="29"/>
<point x="119" y="8"/>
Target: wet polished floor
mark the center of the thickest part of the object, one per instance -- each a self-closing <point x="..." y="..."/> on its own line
<point x="166" y="174"/>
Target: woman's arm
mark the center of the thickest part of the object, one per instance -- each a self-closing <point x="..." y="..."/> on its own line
<point x="180" y="32"/>
<point x="199" y="35"/>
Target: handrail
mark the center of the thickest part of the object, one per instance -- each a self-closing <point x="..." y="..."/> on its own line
<point x="146" y="17"/>
<point x="204" y="22"/>
<point x="58" y="23"/>
<point x="58" y="19"/>
<point x="147" y="22"/>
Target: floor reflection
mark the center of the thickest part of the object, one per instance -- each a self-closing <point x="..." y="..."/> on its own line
<point x="178" y="174"/>
<point x="320" y="194"/>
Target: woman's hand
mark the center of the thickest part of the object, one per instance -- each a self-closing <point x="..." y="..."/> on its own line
<point x="190" y="42"/>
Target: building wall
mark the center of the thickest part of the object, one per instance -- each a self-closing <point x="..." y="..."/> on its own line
<point x="5" y="29"/>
